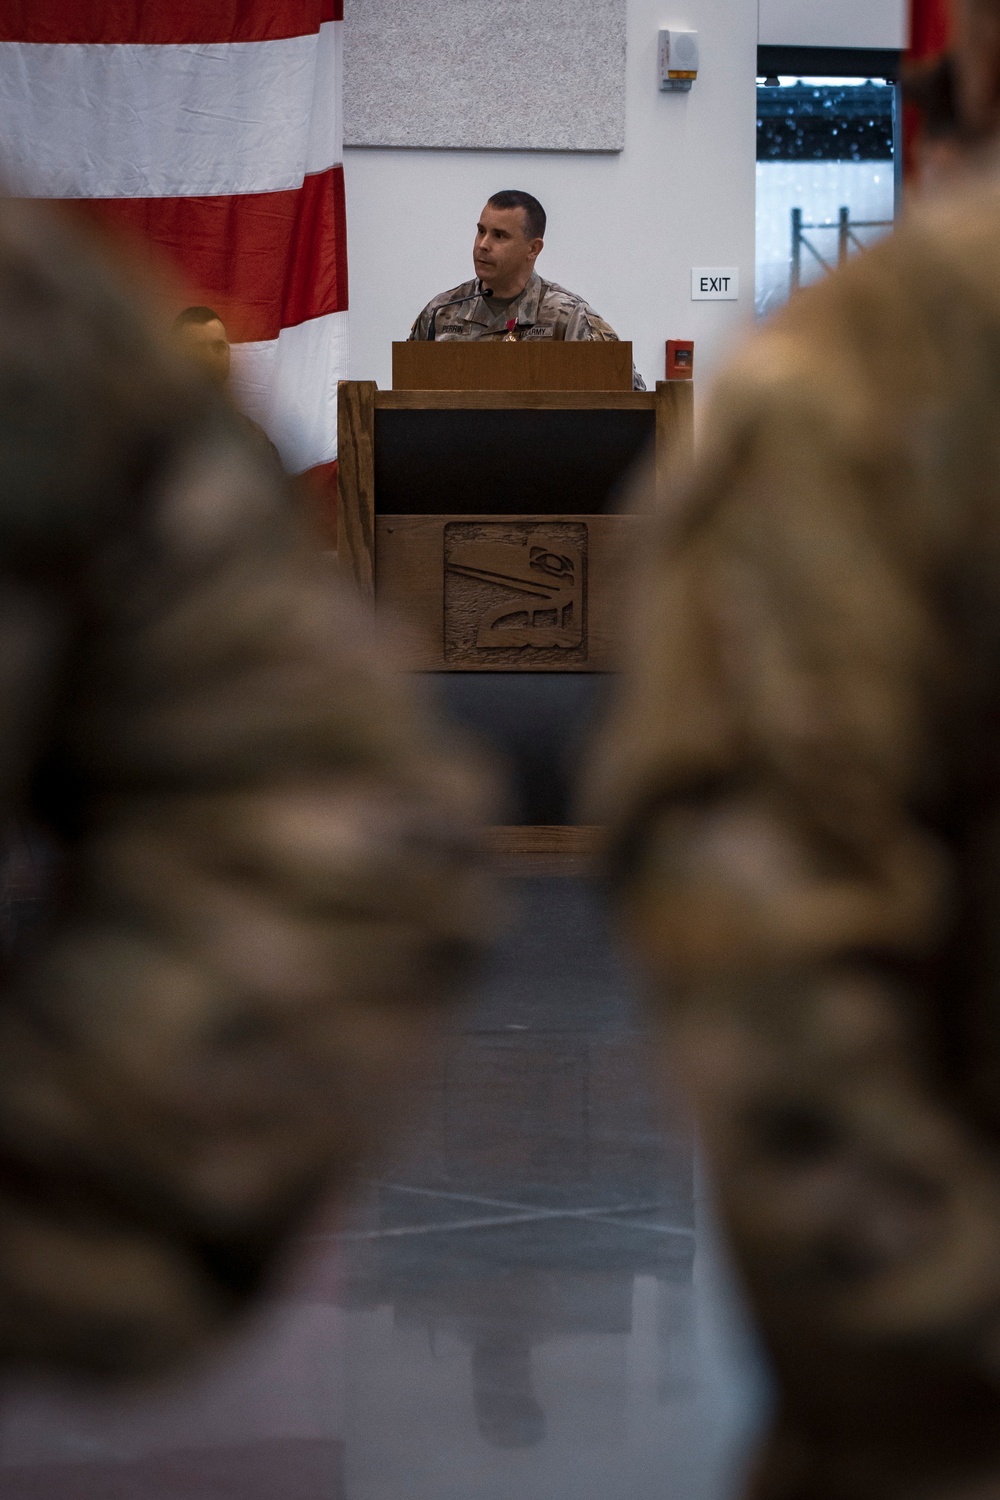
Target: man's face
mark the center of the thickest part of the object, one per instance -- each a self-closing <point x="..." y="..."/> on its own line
<point x="503" y="254"/>
<point x="207" y="345"/>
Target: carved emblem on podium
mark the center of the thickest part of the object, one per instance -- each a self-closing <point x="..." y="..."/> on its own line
<point x="515" y="593"/>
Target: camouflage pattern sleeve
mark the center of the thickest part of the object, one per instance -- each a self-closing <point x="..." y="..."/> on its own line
<point x="771" y="772"/>
<point x="267" y="854"/>
<point x="421" y="325"/>
<point x="584" y="324"/>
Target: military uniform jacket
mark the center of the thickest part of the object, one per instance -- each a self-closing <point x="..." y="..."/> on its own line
<point x="265" y="848"/>
<point x="805" y="776"/>
<point x="543" y="311"/>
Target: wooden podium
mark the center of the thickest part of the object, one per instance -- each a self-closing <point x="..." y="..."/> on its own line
<point x="477" y="503"/>
<point x="528" y="365"/>
<point x="483" y="515"/>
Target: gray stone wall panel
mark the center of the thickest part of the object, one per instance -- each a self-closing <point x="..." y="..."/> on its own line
<point x="506" y="75"/>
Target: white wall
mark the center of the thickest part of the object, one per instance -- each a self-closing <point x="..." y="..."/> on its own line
<point x="624" y="229"/>
<point x="834" y="23"/>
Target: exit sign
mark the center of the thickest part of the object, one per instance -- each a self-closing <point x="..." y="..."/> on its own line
<point x="715" y="284"/>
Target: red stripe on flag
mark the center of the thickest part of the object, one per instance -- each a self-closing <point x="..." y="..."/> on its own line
<point x="264" y="261"/>
<point x="157" y="21"/>
<point x="320" y="260"/>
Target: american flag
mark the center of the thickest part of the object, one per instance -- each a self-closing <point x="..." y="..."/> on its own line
<point x="212" y="129"/>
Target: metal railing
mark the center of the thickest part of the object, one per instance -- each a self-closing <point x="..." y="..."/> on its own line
<point x="846" y="237"/>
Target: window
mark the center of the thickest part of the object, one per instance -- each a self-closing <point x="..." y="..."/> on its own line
<point x="826" y="177"/>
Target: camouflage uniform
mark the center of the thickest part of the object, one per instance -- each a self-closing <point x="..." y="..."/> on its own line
<point x="265" y="870"/>
<point x="542" y="311"/>
<point x="804" y="772"/>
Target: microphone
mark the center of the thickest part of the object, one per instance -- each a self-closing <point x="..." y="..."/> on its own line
<point x="483" y="291"/>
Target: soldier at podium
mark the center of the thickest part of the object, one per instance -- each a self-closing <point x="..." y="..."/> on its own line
<point x="508" y="301"/>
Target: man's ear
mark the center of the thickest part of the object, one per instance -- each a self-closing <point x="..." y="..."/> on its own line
<point x="535" y="248"/>
<point x="976" y="30"/>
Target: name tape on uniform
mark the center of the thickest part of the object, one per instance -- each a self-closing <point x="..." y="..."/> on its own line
<point x="715" y="283"/>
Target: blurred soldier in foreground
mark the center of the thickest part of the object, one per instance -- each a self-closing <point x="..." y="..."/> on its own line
<point x="266" y="884"/>
<point x="805" y="777"/>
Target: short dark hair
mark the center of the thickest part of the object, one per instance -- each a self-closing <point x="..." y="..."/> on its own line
<point x="196" y="315"/>
<point x="534" y="213"/>
<point x="931" y="88"/>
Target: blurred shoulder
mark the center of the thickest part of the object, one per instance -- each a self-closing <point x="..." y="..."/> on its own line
<point x="887" y="331"/>
<point x="915" y="285"/>
<point x="961" y="227"/>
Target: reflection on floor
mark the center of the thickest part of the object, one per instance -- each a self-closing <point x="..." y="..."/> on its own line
<point x="528" y="1302"/>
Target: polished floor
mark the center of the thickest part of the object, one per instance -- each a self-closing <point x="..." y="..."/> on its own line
<point x="529" y="1303"/>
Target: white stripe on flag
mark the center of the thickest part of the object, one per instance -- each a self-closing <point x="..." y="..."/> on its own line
<point x="88" y="121"/>
<point x="289" y="386"/>
<point x="326" y="131"/>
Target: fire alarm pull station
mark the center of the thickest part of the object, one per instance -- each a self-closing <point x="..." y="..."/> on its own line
<point x="680" y="359"/>
<point x="679" y="60"/>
